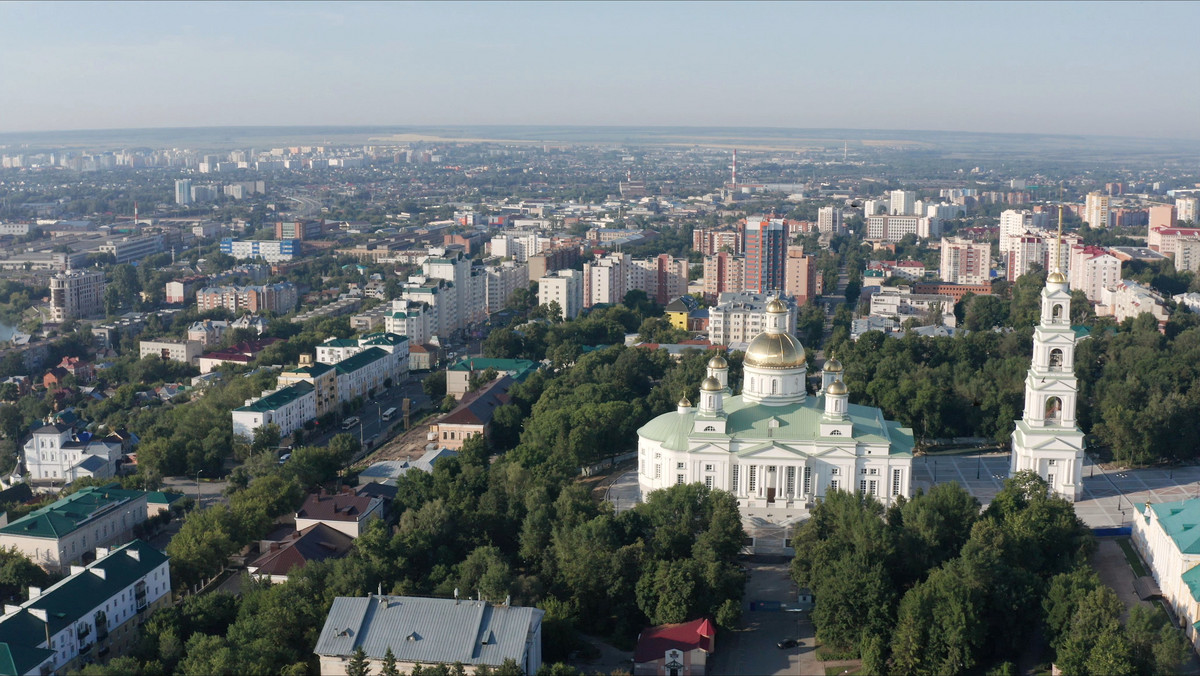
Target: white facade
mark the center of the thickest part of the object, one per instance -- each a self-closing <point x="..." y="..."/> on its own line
<point x="1162" y="534"/>
<point x="739" y="317"/>
<point x="564" y="287"/>
<point x="186" y="351"/>
<point x="902" y="203"/>
<point x="1097" y="210"/>
<point x="900" y="303"/>
<point x="894" y="228"/>
<point x="183" y="191"/>
<point x="1093" y="270"/>
<point x="1188" y="209"/>
<point x="1046" y="439"/>
<point x="413" y="319"/>
<point x="1128" y="299"/>
<point x="965" y="262"/>
<point x="502" y="281"/>
<point x="288" y="407"/>
<point x="606" y="280"/>
<point x="467" y="285"/>
<point x="829" y="219"/>
<point x="774" y="447"/>
<point x="53" y="453"/>
<point x="76" y="293"/>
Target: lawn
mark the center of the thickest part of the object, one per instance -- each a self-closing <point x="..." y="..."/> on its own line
<point x="1131" y="556"/>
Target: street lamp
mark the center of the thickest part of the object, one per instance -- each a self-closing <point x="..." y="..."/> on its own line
<point x="198" y="473"/>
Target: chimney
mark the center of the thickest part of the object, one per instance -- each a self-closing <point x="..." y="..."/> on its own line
<point x="39" y="613"/>
<point x="34" y="592"/>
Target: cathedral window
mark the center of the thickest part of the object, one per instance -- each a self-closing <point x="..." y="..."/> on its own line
<point x="807" y="480"/>
<point x="736" y="475"/>
<point x="658" y="471"/>
<point x="678" y="479"/>
<point x="752" y="484"/>
<point x="774" y="386"/>
<point x="833" y="485"/>
<point x="862" y="486"/>
<point x="873" y="487"/>
<point x="708" y="468"/>
<point x="1053" y="409"/>
<point x="710" y="428"/>
<point x="896" y="482"/>
<point x="679" y="465"/>
<point x="835" y="433"/>
<point x="1051" y="463"/>
<point x="708" y="482"/>
<point x="835" y="471"/>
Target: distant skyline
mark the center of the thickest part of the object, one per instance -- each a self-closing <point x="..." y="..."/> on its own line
<point x="1113" y="69"/>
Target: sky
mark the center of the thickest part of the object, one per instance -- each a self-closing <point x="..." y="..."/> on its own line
<point x="1105" y="68"/>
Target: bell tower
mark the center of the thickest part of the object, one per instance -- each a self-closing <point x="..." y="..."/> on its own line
<point x="1047" y="439"/>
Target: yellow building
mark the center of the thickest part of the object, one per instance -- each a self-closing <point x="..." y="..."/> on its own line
<point x="322" y="377"/>
<point x="677" y="311"/>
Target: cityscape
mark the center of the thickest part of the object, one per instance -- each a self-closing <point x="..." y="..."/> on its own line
<point x="369" y="385"/>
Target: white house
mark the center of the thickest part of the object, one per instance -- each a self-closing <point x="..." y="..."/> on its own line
<point x="1166" y="537"/>
<point x="288" y="407"/>
<point x="55" y="453"/>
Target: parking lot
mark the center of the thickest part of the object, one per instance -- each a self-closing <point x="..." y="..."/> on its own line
<point x="752" y="649"/>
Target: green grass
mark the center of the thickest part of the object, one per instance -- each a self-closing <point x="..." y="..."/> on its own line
<point x="837" y="671"/>
<point x="1131" y="556"/>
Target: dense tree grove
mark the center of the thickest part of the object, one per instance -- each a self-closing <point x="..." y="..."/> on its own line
<point x="931" y="585"/>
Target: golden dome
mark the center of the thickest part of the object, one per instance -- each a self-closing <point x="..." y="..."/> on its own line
<point x="684" y="403"/>
<point x="833" y="365"/>
<point x="718" y="362"/>
<point x="776" y="306"/>
<point x="775" y="351"/>
<point x="1056" y="277"/>
<point x="710" y="384"/>
<point x="837" y="387"/>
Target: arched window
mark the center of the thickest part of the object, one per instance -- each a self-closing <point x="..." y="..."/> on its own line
<point x="1056" y="359"/>
<point x="1053" y="410"/>
<point x="835" y="433"/>
<point x="1056" y="312"/>
<point x="774" y="386"/>
<point x="710" y="428"/>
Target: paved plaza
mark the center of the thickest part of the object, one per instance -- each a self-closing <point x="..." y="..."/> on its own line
<point x="1108" y="495"/>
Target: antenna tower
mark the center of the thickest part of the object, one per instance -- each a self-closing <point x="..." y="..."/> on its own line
<point x="734" y="183"/>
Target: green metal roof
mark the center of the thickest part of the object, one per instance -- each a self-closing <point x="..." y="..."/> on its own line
<point x="314" y="370"/>
<point x="71" y="599"/>
<point x="279" y="398"/>
<point x="1181" y="521"/>
<point x="18" y="660"/>
<point x="163" y="497"/>
<point x="339" y="342"/>
<point x="796" y="422"/>
<point x="382" y="338"/>
<point x="361" y="360"/>
<point x="64" y="516"/>
<point x="1192" y="579"/>
<point x="518" y="368"/>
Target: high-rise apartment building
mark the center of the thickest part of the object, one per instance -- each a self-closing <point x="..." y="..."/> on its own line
<point x="278" y="298"/>
<point x="964" y="261"/>
<point x="183" y="191"/>
<point x="1162" y="216"/>
<point x="724" y="273"/>
<point x="1093" y="269"/>
<point x="662" y="278"/>
<point x="564" y="287"/>
<point x="766" y="254"/>
<point x="902" y="203"/>
<point x="76" y="293"/>
<point x="502" y="281"/>
<point x="829" y="219"/>
<point x="708" y="241"/>
<point x="800" y="280"/>
<point x="1096" y="210"/>
<point x="1025" y="251"/>
<point x="739" y="317"/>
<point x="1014" y="223"/>
<point x="1188" y="209"/>
<point x="606" y="280"/>
<point x="894" y="228"/>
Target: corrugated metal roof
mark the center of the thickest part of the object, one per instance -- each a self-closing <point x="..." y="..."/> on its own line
<point x="428" y="630"/>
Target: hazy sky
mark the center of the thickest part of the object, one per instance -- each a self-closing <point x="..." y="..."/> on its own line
<point x="1092" y="68"/>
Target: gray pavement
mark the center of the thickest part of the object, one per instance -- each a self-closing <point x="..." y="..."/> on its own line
<point x="1108" y="494"/>
<point x="751" y="648"/>
<point x="208" y="494"/>
<point x="624" y="492"/>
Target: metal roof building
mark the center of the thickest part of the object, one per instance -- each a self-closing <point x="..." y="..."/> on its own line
<point x="429" y="631"/>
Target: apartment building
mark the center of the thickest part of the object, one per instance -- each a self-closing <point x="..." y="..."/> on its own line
<point x="724" y="273"/>
<point x="75" y="294"/>
<point x="94" y="614"/>
<point x="61" y="533"/>
<point x="278" y="298"/>
<point x="564" y="287"/>
<point x="964" y="261"/>
<point x="1092" y="270"/>
<point x="323" y="378"/>
<point x="739" y="317"/>
<point x="801" y="281"/>
<point x="186" y="351"/>
<point x="708" y="241"/>
<point x="1096" y="210"/>
<point x="502" y="281"/>
<point x="272" y="251"/>
<point x="893" y="228"/>
<point x="288" y="407"/>
<point x="129" y="249"/>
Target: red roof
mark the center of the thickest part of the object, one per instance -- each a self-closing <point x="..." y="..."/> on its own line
<point x="656" y="641"/>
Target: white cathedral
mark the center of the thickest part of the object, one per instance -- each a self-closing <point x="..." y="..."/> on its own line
<point x="1047" y="440"/>
<point x="775" y="448"/>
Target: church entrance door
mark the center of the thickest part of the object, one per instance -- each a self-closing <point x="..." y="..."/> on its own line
<point x="770" y="495"/>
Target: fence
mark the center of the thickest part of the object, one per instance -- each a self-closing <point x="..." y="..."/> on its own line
<point x="607" y="463"/>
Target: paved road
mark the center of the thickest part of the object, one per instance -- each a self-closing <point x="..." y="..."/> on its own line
<point x="209" y="492"/>
<point x="371" y="424"/>
<point x="751" y="648"/>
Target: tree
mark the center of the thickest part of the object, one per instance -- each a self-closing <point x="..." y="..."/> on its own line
<point x="448" y="403"/>
<point x="358" y="664"/>
<point x="434" y="385"/>
<point x="388" y="668"/>
<point x="265" y="437"/>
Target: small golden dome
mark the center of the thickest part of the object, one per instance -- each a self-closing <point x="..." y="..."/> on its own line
<point x="837" y="387"/>
<point x="710" y="384"/>
<point x="833" y="365"/>
<point x="685" y="402"/>
<point x="718" y="362"/>
<point x="1056" y="277"/>
<point x="775" y="305"/>
<point x="775" y="351"/>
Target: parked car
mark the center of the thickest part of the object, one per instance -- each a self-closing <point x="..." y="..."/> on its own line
<point x="787" y="643"/>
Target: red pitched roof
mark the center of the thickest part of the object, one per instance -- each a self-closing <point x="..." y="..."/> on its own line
<point x="656" y="641"/>
<point x="340" y="507"/>
<point x="315" y="543"/>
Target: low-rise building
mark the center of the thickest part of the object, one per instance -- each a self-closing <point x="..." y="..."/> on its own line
<point x="56" y="454"/>
<point x="344" y="512"/>
<point x="242" y="353"/>
<point x="458" y="376"/>
<point x="323" y="378"/>
<point x="901" y="303"/>
<point x="94" y="614"/>
<point x="60" y="533"/>
<point x="186" y="351"/>
<point x="428" y="631"/>
<point x="288" y="407"/>
<point x="472" y="415"/>
<point x="279" y="298"/>
<point x="1128" y="299"/>
<point x="1165" y="536"/>
<point x="271" y="251"/>
<point x="295" y="550"/>
<point x="675" y="649"/>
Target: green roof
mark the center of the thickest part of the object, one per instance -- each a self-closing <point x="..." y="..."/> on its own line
<point x="382" y="338"/>
<point x="71" y="599"/>
<point x="518" y="368"/>
<point x="18" y="660"/>
<point x="64" y="516"/>
<point x="314" y="370"/>
<point x="163" y="497"/>
<point x="745" y="420"/>
<point x="339" y="342"/>
<point x="1192" y="579"/>
<point x="279" y="398"/>
<point x="361" y="360"/>
<point x="1181" y="521"/>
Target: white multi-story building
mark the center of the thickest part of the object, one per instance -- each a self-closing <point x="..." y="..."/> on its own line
<point x="902" y="203"/>
<point x="186" y="351"/>
<point x="1164" y="534"/>
<point x="65" y="531"/>
<point x="413" y="319"/>
<point x="965" y="262"/>
<point x="606" y="280"/>
<point x="900" y="303"/>
<point x="739" y="317"/>
<point x="518" y="246"/>
<point x="288" y="407"/>
<point x="1127" y="299"/>
<point x="564" y="287"/>
<point x="128" y="249"/>
<point x="1093" y="269"/>
<point x="55" y="453"/>
<point x="1187" y="253"/>
<point x="440" y="305"/>
<point x="183" y="191"/>
<point x="829" y="219"/>
<point x="76" y="293"/>
<point x="272" y="251"/>
<point x="1046" y="439"/>
<point x="1097" y="210"/>
<point x="1188" y="209"/>
<point x="363" y="374"/>
<point x="502" y="281"/>
<point x="776" y="449"/>
<point x="467" y="284"/>
<point x="1023" y="253"/>
<point x="337" y="350"/>
<point x="95" y="612"/>
<point x="894" y="228"/>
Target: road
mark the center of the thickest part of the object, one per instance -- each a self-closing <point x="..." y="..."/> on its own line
<point x="371" y="424"/>
<point x="751" y="648"/>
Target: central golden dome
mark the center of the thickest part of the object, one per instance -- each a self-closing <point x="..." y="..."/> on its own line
<point x="775" y="351"/>
<point x="1056" y="277"/>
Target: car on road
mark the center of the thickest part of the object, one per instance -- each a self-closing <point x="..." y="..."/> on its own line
<point x="284" y="458"/>
<point x="787" y="643"/>
<point x="349" y="422"/>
